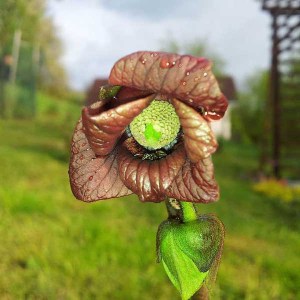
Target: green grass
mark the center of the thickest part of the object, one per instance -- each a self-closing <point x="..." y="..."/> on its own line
<point x="55" y="247"/>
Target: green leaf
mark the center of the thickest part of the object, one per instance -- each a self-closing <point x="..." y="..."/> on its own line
<point x="190" y="251"/>
<point x="182" y="271"/>
<point x="108" y="91"/>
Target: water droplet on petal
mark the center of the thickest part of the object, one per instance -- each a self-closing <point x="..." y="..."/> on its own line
<point x="183" y="83"/>
<point x="213" y="115"/>
<point x="143" y="60"/>
<point x="91" y="178"/>
<point x="165" y="64"/>
<point x="187" y="73"/>
<point x="173" y="63"/>
<point x="205" y="74"/>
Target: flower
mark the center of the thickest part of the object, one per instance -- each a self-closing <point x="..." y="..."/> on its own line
<point x="149" y="134"/>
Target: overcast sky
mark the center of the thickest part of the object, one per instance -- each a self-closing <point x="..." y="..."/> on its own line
<point x="96" y="33"/>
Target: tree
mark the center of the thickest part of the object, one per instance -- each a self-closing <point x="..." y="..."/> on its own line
<point x="197" y="48"/>
<point x="39" y="34"/>
<point x="251" y="114"/>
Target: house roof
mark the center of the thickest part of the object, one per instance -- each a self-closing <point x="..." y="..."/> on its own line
<point x="227" y="87"/>
<point x="226" y="84"/>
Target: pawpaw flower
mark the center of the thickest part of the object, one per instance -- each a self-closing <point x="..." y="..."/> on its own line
<point x="149" y="134"/>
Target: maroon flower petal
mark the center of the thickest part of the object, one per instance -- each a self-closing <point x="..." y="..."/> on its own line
<point x="91" y="177"/>
<point x="185" y="77"/>
<point x="195" y="183"/>
<point x="150" y="179"/>
<point x="105" y="128"/>
<point x="127" y="94"/>
<point x="199" y="140"/>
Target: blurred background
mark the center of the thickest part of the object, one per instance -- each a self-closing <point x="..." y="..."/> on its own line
<point x="54" y="55"/>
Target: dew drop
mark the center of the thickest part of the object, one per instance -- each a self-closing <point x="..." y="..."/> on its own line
<point x="91" y="178"/>
<point x="187" y="73"/>
<point x="191" y="100"/>
<point x="213" y="115"/>
<point x="205" y="74"/>
<point x="174" y="63"/>
<point x="143" y="60"/>
<point x="183" y="83"/>
<point x="165" y="64"/>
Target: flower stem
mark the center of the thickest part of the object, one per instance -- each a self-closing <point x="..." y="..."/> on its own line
<point x="188" y="212"/>
<point x="202" y="294"/>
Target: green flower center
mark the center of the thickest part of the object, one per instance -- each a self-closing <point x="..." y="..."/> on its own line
<point x="157" y="126"/>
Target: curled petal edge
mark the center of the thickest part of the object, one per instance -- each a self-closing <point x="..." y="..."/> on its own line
<point x="93" y="177"/>
<point x="150" y="179"/>
<point x="104" y="128"/>
<point x="199" y="140"/>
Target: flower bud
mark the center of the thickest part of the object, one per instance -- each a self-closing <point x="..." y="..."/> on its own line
<point x="190" y="251"/>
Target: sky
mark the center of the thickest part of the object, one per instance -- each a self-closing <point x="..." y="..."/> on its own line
<point x="96" y="33"/>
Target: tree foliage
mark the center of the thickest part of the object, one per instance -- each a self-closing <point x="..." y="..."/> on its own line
<point x="197" y="48"/>
<point x="251" y="113"/>
<point x="38" y="33"/>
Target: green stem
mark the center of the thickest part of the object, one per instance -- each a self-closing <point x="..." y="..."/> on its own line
<point x="188" y="212"/>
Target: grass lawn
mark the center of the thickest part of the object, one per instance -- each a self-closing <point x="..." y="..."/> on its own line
<point x="55" y="247"/>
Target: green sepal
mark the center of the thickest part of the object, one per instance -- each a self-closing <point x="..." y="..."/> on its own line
<point x="189" y="251"/>
<point x="108" y="91"/>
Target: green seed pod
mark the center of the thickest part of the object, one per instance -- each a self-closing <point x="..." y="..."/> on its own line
<point x="157" y="126"/>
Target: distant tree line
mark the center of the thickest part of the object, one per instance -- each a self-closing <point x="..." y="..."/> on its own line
<point x="27" y="23"/>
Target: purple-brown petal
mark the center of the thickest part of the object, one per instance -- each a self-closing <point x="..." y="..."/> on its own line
<point x="199" y="140"/>
<point x="185" y="77"/>
<point x="93" y="177"/>
<point x="150" y="179"/>
<point x="195" y="183"/>
<point x="104" y="129"/>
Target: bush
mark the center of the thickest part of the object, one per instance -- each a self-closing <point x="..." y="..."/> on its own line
<point x="278" y="189"/>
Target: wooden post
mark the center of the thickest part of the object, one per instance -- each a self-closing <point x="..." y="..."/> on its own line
<point x="15" y="55"/>
<point x="275" y="99"/>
